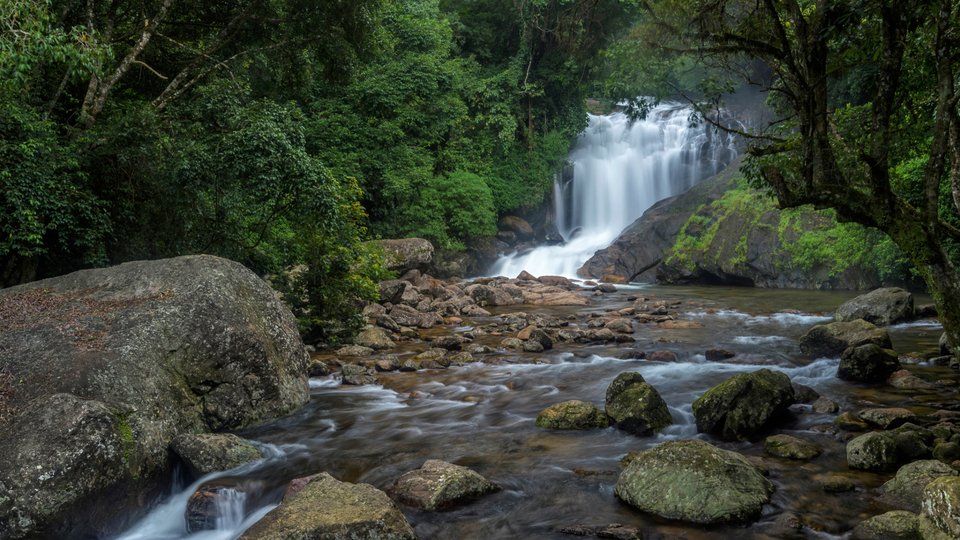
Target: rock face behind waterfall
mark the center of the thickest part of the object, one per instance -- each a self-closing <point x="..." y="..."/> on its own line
<point x="110" y="365"/>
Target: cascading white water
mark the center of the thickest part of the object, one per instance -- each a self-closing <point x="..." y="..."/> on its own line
<point x="620" y="169"/>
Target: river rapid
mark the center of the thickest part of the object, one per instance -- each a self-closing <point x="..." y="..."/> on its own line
<point x="482" y="416"/>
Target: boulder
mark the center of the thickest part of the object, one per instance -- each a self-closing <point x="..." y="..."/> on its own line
<point x="882" y="307"/>
<point x="621" y="325"/>
<point x="895" y="525"/>
<point x="694" y="481"/>
<point x="941" y="506"/>
<point x="888" y="417"/>
<point x="905" y="490"/>
<point x="112" y="364"/>
<point x="329" y="509"/>
<point x="438" y="485"/>
<point x="786" y="446"/>
<point x="573" y="414"/>
<point x="829" y="340"/>
<point x="743" y="405"/>
<point x="885" y="450"/>
<point x="718" y="355"/>
<point x="636" y="406"/>
<point x="486" y="295"/>
<point x="407" y="253"/>
<point x="204" y="453"/>
<point x="835" y="483"/>
<point x="374" y="338"/>
<point x="354" y="351"/>
<point x="867" y="363"/>
<point x="541" y="337"/>
<point x="355" y="374"/>
<point x="391" y="291"/>
<point x="518" y="226"/>
<point x="824" y="405"/>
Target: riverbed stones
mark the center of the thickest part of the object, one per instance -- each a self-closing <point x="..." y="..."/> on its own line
<point x="941" y="505"/>
<point x="905" y="490"/>
<point x="867" y="363"/>
<point x="572" y="415"/>
<point x="329" y="509"/>
<point x="882" y="307"/>
<point x="786" y="446"/>
<point x="887" y="417"/>
<point x="635" y="406"/>
<point x="357" y="375"/>
<point x="895" y="525"/>
<point x="438" y="485"/>
<point x="112" y="364"/>
<point x="743" y="405"/>
<point x="829" y="340"/>
<point x="374" y="338"/>
<point x="204" y="453"/>
<point x="696" y="482"/>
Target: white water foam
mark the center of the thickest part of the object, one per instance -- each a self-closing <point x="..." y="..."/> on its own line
<point x="620" y="169"/>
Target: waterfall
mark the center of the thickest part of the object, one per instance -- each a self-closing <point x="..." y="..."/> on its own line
<point x="620" y="169"/>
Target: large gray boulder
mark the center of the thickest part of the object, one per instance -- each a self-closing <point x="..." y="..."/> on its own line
<point x="887" y="450"/>
<point x="332" y="510"/>
<point x="905" y="490"/>
<point x="882" y="307"/>
<point x="636" y="406"/>
<point x="404" y="254"/>
<point x="867" y="363"/>
<point x="696" y="482"/>
<point x="204" y="453"/>
<point x="438" y="485"/>
<point x="112" y="364"/>
<point x="829" y="340"/>
<point x="743" y="405"/>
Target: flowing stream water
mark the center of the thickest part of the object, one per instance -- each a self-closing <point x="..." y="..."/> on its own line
<point x="621" y="167"/>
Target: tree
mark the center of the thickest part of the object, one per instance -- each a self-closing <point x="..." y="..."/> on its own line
<point x="889" y="160"/>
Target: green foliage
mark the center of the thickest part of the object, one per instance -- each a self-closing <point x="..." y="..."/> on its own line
<point x="453" y="208"/>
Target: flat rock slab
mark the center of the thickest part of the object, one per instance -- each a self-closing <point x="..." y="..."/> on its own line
<point x="333" y="510"/>
<point x="438" y="485"/>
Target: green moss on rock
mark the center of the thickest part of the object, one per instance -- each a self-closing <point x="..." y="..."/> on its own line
<point x="573" y="414"/>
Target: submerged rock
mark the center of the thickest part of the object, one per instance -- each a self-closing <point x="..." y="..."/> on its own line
<point x="786" y="446"/>
<point x="141" y="352"/>
<point x="205" y="453"/>
<point x="906" y="488"/>
<point x="744" y="404"/>
<point x="636" y="406"/>
<point x="696" y="482"/>
<point x="882" y="307"/>
<point x="867" y="363"/>
<point x="329" y="509"/>
<point x="573" y="414"/>
<point x="829" y="340"/>
<point x="438" y="485"/>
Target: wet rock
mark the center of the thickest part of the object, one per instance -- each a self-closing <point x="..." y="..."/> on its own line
<point x="392" y="290"/>
<point x="461" y="359"/>
<point x="887" y="418"/>
<point x="602" y="335"/>
<point x="885" y="450"/>
<point x="432" y="358"/>
<point x="474" y="310"/>
<point x="204" y="506"/>
<point x="835" y="483"/>
<point x="573" y="414"/>
<point x="694" y="481"/>
<point x="355" y="351"/>
<point x="355" y="374"/>
<point x="518" y="226"/>
<point x="406" y="254"/>
<point x="607" y="288"/>
<point x="867" y="363"/>
<point x="805" y="394"/>
<point x="881" y="307"/>
<point x="905" y="490"/>
<point x="679" y="325"/>
<point x="662" y="356"/>
<point x="718" y="355"/>
<point x="944" y="344"/>
<point x="390" y="362"/>
<point x="531" y="346"/>
<point x="941" y="506"/>
<point x="785" y="446"/>
<point x="635" y="406"/>
<point x="849" y="421"/>
<point x="511" y="343"/>
<point x="620" y="325"/>
<point x="947" y="452"/>
<point x="829" y="340"/>
<point x="632" y="355"/>
<point x="451" y="343"/>
<point x="541" y="337"/>
<point x="330" y="509"/>
<point x="318" y="368"/>
<point x="616" y="279"/>
<point x="438" y="485"/>
<point x="204" y="453"/>
<point x="552" y="296"/>
<point x="895" y="525"/>
<point x="374" y="338"/>
<point x="486" y="295"/>
<point x="906" y="380"/>
<point x="743" y="405"/>
<point x="825" y="406"/>
<point x="406" y="315"/>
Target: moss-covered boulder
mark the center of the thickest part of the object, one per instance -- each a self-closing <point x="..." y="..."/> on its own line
<point x="905" y="490"/>
<point x="886" y="450"/>
<point x="696" y="482"/>
<point x="204" y="453"/>
<point x="829" y="340"/>
<point x="743" y="405"/>
<point x="786" y="446"/>
<point x="438" y="485"/>
<point x="867" y="363"/>
<point x="333" y="510"/>
<point x="636" y="406"/>
<point x="941" y="506"/>
<point x="895" y="525"/>
<point x="882" y="307"/>
<point x="573" y="414"/>
<point x="112" y="364"/>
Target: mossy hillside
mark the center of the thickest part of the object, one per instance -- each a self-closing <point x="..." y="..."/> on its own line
<point x="743" y="237"/>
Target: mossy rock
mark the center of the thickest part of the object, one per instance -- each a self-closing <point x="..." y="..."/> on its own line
<point x="636" y="406"/>
<point x="438" y="485"/>
<point x="204" y="453"/>
<point x="573" y="414"/>
<point x="743" y="405"/>
<point x="895" y="525"/>
<point x="905" y="490"/>
<point x="786" y="446"/>
<point x="696" y="482"/>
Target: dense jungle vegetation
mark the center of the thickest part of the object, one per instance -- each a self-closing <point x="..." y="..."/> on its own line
<point x="287" y="132"/>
